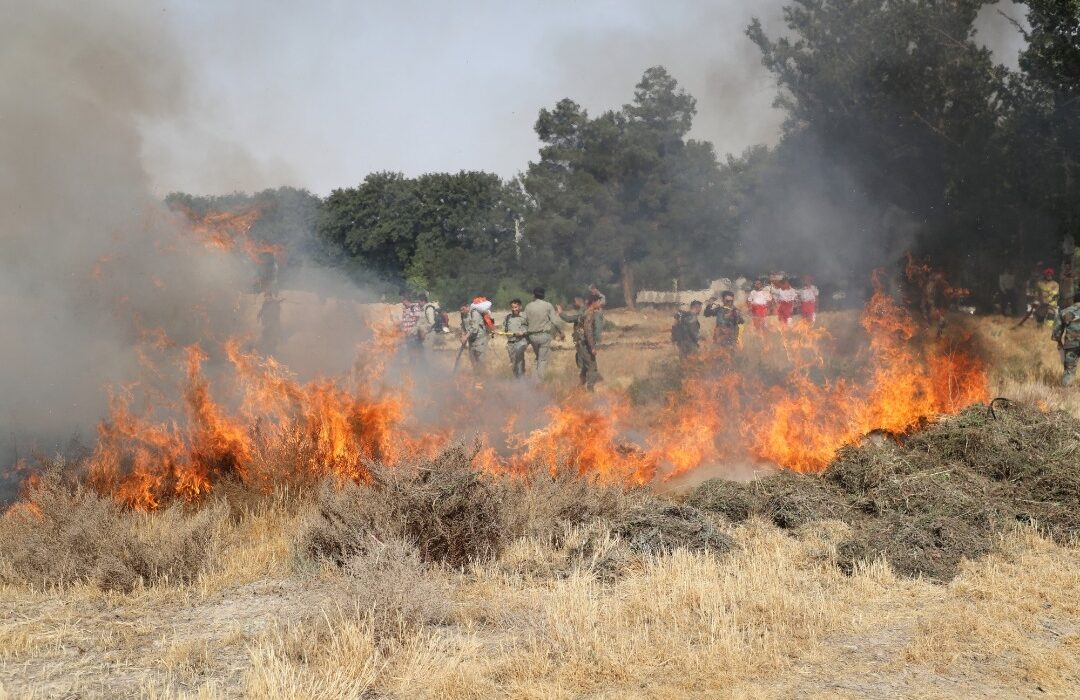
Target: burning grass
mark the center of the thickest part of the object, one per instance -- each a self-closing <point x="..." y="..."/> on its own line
<point x="440" y="572"/>
<point x="793" y="398"/>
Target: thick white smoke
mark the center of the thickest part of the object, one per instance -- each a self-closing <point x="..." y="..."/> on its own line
<point x="90" y="263"/>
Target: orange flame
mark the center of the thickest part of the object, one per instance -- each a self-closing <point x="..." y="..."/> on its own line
<point x="791" y="399"/>
<point x="228" y="231"/>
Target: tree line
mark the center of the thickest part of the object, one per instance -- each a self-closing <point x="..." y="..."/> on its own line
<point x="901" y="135"/>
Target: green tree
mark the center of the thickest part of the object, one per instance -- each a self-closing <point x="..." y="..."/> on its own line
<point x="900" y="96"/>
<point x="452" y="234"/>
<point x="371" y="230"/>
<point x="624" y="198"/>
<point x="1043" y="131"/>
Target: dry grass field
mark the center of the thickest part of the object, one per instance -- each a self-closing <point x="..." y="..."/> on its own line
<point x="437" y="582"/>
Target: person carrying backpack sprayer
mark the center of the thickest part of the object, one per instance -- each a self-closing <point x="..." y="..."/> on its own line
<point x="433" y="319"/>
<point x="686" y="331"/>
<point x="477" y="330"/>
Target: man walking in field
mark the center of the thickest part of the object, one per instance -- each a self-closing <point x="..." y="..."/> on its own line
<point x="588" y="323"/>
<point x="728" y="320"/>
<point x="540" y="319"/>
<point x="516" y="329"/>
<point x="1066" y="334"/>
<point x="686" y="332"/>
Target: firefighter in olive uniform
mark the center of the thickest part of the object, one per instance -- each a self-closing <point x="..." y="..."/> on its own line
<point x="516" y="330"/>
<point x="1066" y="334"/>
<point x="588" y="323"/>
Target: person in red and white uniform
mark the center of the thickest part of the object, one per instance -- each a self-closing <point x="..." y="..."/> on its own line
<point x="785" y="296"/>
<point x="808" y="296"/>
<point x="758" y="301"/>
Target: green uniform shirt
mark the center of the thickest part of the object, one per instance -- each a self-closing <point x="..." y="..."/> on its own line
<point x="1067" y="327"/>
<point x="515" y="324"/>
<point x="588" y="325"/>
<point x="475" y="329"/>
<point x="540" y="316"/>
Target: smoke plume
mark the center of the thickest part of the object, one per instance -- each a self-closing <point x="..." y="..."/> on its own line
<point x="92" y="267"/>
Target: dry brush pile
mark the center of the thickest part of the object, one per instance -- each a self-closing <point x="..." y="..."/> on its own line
<point x="928" y="500"/>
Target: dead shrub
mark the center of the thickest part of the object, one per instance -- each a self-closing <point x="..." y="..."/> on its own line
<point x="858" y="470"/>
<point x="943" y="494"/>
<point x="598" y="552"/>
<point x="543" y="504"/>
<point x="1016" y="443"/>
<point x="931" y="546"/>
<point x="62" y="534"/>
<point x="390" y="582"/>
<point x="734" y="500"/>
<point x="444" y="507"/>
<point x="658" y="527"/>
<point x="791" y="500"/>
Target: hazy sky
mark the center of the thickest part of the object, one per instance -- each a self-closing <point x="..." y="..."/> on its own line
<point x="319" y="94"/>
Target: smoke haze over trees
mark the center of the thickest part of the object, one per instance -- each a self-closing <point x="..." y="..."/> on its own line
<point x="902" y="135"/>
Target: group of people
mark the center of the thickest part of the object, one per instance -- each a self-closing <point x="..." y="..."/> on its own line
<point x="534" y="326"/>
<point x="528" y="326"/>
<point x="780" y="298"/>
<point x="774" y="297"/>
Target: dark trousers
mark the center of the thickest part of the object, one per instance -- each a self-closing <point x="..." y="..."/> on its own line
<point x="588" y="371"/>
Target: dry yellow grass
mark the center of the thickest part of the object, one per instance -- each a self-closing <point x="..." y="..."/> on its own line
<point x="774" y="618"/>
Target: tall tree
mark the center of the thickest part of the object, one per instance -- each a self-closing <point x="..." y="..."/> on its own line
<point x="901" y="97"/>
<point x="1044" y="125"/>
<point x="624" y="197"/>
